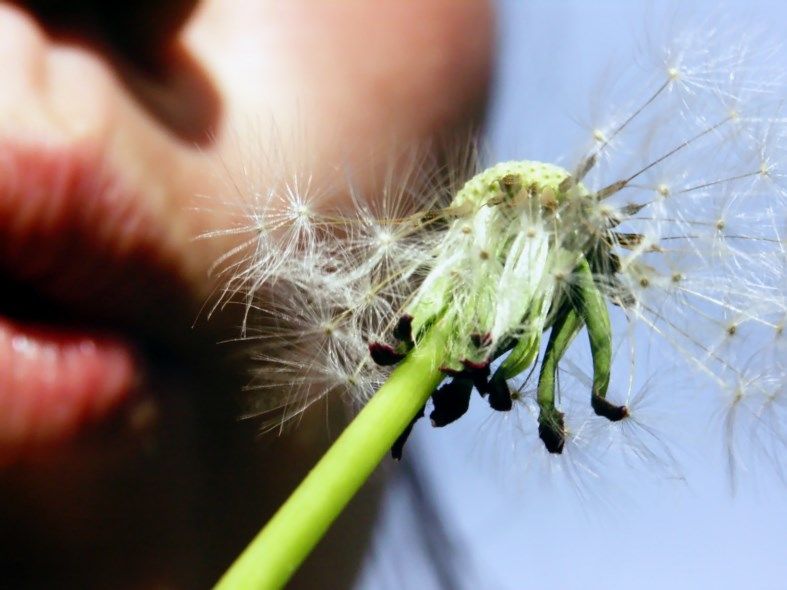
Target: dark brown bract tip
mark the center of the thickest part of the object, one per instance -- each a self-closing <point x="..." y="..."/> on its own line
<point x="553" y="434"/>
<point x="384" y="355"/>
<point x="451" y="401"/>
<point x="499" y="394"/>
<point x="607" y="409"/>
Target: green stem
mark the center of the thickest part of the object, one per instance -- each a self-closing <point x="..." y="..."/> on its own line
<point x="278" y="550"/>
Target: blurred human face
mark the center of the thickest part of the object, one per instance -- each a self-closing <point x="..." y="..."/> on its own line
<point x="122" y="461"/>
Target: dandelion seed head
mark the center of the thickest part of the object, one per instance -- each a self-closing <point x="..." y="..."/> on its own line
<point x="676" y="205"/>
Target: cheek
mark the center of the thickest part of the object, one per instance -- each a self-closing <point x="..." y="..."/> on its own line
<point x="357" y="78"/>
<point x="388" y="71"/>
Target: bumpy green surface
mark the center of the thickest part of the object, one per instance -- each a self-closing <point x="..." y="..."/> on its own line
<point x="486" y="184"/>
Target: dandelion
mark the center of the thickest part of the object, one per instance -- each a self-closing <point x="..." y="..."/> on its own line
<point x="672" y="220"/>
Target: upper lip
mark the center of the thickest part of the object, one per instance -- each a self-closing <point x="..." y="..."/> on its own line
<point x="86" y="244"/>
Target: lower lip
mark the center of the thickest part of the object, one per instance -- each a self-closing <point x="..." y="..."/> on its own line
<point x="55" y="382"/>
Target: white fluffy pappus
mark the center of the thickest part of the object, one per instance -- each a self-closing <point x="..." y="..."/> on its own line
<point x="678" y="201"/>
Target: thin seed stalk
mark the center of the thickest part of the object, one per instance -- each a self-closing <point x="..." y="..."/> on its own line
<point x="280" y="547"/>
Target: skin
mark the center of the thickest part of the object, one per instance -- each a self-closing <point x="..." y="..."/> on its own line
<point x="170" y="487"/>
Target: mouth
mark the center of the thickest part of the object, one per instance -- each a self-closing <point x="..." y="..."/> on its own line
<point x="90" y="273"/>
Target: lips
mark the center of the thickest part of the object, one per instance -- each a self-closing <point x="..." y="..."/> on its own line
<point x="55" y="381"/>
<point x="87" y="272"/>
